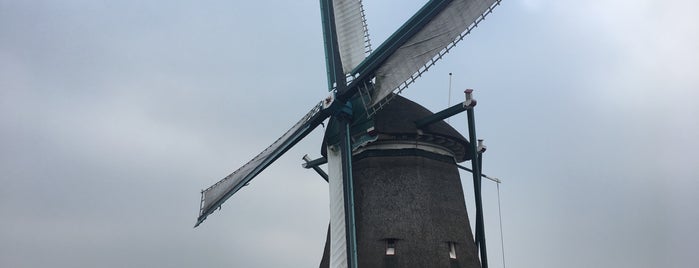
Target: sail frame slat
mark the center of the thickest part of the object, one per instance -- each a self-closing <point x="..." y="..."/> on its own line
<point x="427" y="46"/>
<point x="214" y="196"/>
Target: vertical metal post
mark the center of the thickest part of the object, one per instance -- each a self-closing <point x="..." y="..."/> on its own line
<point x="333" y="62"/>
<point x="476" y="167"/>
<point x="348" y="188"/>
<point x="449" y="99"/>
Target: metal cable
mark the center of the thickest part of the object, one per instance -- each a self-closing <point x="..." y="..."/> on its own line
<point x="502" y="240"/>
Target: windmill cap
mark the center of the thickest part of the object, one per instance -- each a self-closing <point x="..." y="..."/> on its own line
<point x="396" y="121"/>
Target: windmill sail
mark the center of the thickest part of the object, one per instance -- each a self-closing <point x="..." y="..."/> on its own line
<point x="352" y="35"/>
<point x="345" y="37"/>
<point x="214" y="196"/>
<point x="428" y="44"/>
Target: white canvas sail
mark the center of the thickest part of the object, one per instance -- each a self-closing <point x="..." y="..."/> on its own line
<point x="428" y="45"/>
<point x="351" y="32"/>
<point x="338" y="241"/>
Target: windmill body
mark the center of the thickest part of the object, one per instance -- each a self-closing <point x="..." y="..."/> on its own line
<point x="409" y="202"/>
<point x="383" y="166"/>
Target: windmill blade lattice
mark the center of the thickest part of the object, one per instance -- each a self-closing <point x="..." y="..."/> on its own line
<point x="215" y="195"/>
<point x="352" y="33"/>
<point x="419" y="44"/>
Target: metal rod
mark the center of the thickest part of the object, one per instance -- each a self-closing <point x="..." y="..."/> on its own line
<point x="449" y="99"/>
<point x="502" y="240"/>
<point x="313" y="163"/>
<point x="484" y="249"/>
<point x="332" y="54"/>
<point x="315" y="167"/>
<point x="496" y="180"/>
<point x="441" y="115"/>
<point x="350" y="224"/>
<point x="476" y="171"/>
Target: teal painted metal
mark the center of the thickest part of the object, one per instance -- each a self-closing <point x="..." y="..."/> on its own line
<point x="326" y="47"/>
<point x="446" y="113"/>
<point x="345" y="117"/>
<point x="358" y="127"/>
<point x="315" y="162"/>
<point x="333" y="62"/>
<point x="310" y="164"/>
<point x="496" y="180"/>
<point x="476" y="171"/>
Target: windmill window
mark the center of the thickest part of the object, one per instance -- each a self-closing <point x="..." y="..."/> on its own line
<point x="452" y="250"/>
<point x="390" y="247"/>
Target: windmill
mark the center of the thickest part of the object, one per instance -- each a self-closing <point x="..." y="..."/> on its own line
<point x="382" y="140"/>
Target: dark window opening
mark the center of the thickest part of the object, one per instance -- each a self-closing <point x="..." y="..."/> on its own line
<point x="452" y="250"/>
<point x="390" y="247"/>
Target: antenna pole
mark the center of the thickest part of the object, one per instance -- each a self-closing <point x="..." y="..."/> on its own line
<point x="449" y="98"/>
<point x="476" y="167"/>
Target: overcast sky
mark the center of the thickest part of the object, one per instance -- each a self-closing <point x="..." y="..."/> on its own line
<point x="115" y="114"/>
